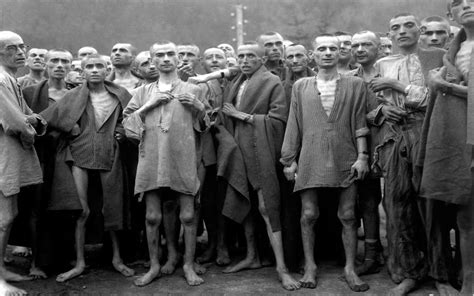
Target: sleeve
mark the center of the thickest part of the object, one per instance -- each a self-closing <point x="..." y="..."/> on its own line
<point x="13" y="120"/>
<point x="293" y="133"/>
<point x="360" y="107"/>
<point x="374" y="109"/>
<point x="133" y="124"/>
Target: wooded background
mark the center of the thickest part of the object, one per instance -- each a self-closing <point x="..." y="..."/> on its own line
<point x="72" y="24"/>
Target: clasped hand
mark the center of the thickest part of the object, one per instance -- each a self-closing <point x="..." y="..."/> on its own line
<point x="360" y="169"/>
<point x="382" y="83"/>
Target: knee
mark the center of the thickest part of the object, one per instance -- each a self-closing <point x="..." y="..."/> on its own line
<point x="347" y="218"/>
<point x="84" y="214"/>
<point x="6" y="219"/>
<point x="153" y="218"/>
<point x="186" y="217"/>
<point x="309" y="216"/>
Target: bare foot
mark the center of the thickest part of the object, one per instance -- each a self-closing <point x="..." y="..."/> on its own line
<point x="287" y="281"/>
<point x="191" y="277"/>
<point x="403" y="288"/>
<point x="207" y="256"/>
<point x="170" y="266"/>
<point x="37" y="274"/>
<point x="199" y="269"/>
<point x="21" y="251"/>
<point x="445" y="289"/>
<point x="247" y="263"/>
<point x="309" y="279"/>
<point x="223" y="258"/>
<point x="9" y="290"/>
<point x="354" y="282"/>
<point x="122" y="268"/>
<point x="76" y="271"/>
<point x="13" y="277"/>
<point x="148" y="277"/>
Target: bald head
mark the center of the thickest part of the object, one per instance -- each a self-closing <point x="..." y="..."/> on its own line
<point x="272" y="42"/>
<point x="86" y="51"/>
<point x="214" y="59"/>
<point x="12" y="51"/>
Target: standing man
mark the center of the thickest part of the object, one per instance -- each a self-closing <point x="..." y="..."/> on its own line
<point x="404" y="99"/>
<point x="39" y="97"/>
<point x="170" y="113"/>
<point x="189" y="56"/>
<point x="122" y="56"/>
<point x="365" y="50"/>
<point x="145" y="68"/>
<point x="272" y="42"/>
<point x="296" y="59"/>
<point x="91" y="115"/>
<point x="385" y="47"/>
<point x="228" y="49"/>
<point x="448" y="176"/>
<point x="249" y="136"/>
<point x="435" y="31"/>
<point x="35" y="64"/>
<point x="325" y="146"/>
<point x="19" y="165"/>
<point x="345" y="57"/>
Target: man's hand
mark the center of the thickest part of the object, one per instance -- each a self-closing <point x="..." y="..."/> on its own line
<point x="379" y="84"/>
<point x="436" y="78"/>
<point x="155" y="101"/>
<point x="32" y="119"/>
<point x="360" y="168"/>
<point x="186" y="69"/>
<point x="190" y="100"/>
<point x="76" y="130"/>
<point x="119" y="137"/>
<point x="393" y="113"/>
<point x="290" y="171"/>
<point x="230" y="110"/>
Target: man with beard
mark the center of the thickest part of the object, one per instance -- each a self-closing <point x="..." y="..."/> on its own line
<point x="401" y="113"/>
<point x="435" y="32"/>
<point x="272" y="42"/>
<point x="345" y="58"/>
<point x="447" y="157"/>
<point x="35" y="64"/>
<point x="88" y="119"/>
<point x="325" y="146"/>
<point x="122" y="57"/>
<point x="19" y="165"/>
<point x="39" y="97"/>
<point x="167" y="112"/>
<point x="365" y="50"/>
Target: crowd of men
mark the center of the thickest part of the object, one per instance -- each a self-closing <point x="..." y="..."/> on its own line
<point x="262" y="138"/>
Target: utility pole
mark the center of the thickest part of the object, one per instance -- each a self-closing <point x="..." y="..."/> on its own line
<point x="239" y="23"/>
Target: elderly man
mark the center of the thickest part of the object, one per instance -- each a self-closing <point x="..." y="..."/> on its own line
<point x="39" y="97"/>
<point x="249" y="136"/>
<point x="401" y="112"/>
<point x="88" y="119"/>
<point x="448" y="178"/>
<point x="145" y="68"/>
<point x="122" y="56"/>
<point x="365" y="50"/>
<point x="435" y="31"/>
<point x="161" y="116"/>
<point x="19" y="165"/>
<point x="330" y="109"/>
<point x="35" y="64"/>
<point x="86" y="51"/>
<point x="272" y="42"/>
